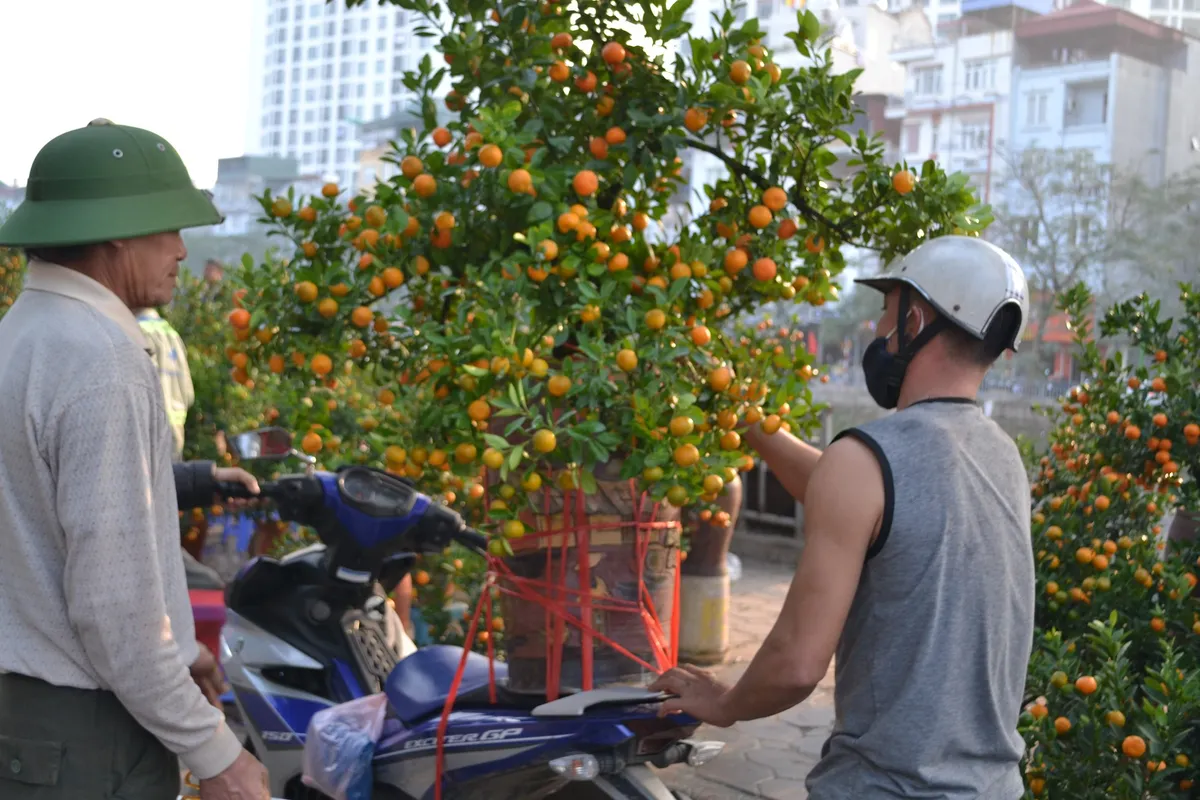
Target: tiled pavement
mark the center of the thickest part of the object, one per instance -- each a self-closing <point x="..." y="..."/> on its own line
<point x="767" y="757"/>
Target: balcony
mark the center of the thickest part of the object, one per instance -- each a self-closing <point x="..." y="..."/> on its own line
<point x="908" y="52"/>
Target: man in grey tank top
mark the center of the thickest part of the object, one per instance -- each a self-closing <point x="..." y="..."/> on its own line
<point x="917" y="568"/>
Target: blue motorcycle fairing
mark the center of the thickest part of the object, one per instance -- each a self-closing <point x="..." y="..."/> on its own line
<point x="419" y="684"/>
<point x="481" y="746"/>
<point x="368" y="531"/>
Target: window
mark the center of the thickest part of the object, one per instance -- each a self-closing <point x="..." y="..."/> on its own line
<point x="399" y="64"/>
<point x="1079" y="231"/>
<point x="979" y="75"/>
<point x="912" y="138"/>
<point x="360" y="90"/>
<point x="296" y="74"/>
<point x="310" y="115"/>
<point x="324" y="136"/>
<point x="311" y="74"/>
<point x="381" y="42"/>
<point x="310" y="95"/>
<point x="293" y="116"/>
<point x="974" y="137"/>
<point x="362" y="68"/>
<point x="294" y="96"/>
<point x="362" y="47"/>
<point x="379" y="87"/>
<point x="347" y="25"/>
<point x="765" y="9"/>
<point x="1086" y="104"/>
<point x="1035" y="108"/>
<point x="380" y="65"/>
<point x="1027" y="232"/>
<point x="927" y="81"/>
<point x="377" y="111"/>
<point x="308" y="159"/>
<point x="291" y="138"/>
<point x="328" y="51"/>
<point x="308" y="137"/>
<point x="313" y="52"/>
<point x="345" y="48"/>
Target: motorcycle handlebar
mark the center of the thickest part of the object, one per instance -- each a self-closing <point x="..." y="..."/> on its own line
<point x="232" y="490"/>
<point x="472" y="539"/>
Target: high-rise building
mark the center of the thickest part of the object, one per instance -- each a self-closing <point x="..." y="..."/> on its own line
<point x="326" y="70"/>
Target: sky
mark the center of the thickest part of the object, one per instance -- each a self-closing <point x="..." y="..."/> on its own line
<point x="176" y="67"/>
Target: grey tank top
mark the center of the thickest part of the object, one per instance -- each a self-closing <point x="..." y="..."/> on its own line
<point x="931" y="664"/>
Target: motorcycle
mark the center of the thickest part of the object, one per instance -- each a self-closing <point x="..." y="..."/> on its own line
<point x="315" y="629"/>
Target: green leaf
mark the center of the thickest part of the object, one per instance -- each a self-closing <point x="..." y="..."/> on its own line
<point x="587" y="482"/>
<point x="514" y="458"/>
<point x="540" y="212"/>
<point x="495" y="441"/>
<point x="247" y="261"/>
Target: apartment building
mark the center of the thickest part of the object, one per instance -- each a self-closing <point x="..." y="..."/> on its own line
<point x="957" y="99"/>
<point x="1105" y="80"/>
<point x="325" y="70"/>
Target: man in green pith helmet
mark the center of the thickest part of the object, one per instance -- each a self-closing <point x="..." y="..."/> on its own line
<point x="100" y="673"/>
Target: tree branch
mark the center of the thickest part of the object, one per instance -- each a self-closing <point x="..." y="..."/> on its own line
<point x="742" y="171"/>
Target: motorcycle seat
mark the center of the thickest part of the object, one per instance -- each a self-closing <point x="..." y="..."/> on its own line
<point x="418" y="686"/>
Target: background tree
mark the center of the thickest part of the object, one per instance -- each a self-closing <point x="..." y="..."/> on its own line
<point x="1052" y="220"/>
<point x="1154" y="241"/>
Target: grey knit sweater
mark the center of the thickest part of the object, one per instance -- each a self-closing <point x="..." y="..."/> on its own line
<point x="92" y="590"/>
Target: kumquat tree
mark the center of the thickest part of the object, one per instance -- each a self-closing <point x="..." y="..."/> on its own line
<point x="524" y="310"/>
<point x="1114" y="681"/>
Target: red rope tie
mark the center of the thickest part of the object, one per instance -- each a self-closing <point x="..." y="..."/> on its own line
<point x="555" y="598"/>
<point x="452" y="694"/>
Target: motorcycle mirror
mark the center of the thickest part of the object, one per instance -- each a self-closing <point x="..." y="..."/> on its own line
<point x="265" y="444"/>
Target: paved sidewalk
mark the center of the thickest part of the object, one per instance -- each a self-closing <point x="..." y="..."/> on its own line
<point x="767" y="757"/>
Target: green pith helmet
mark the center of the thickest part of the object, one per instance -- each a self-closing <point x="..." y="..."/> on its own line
<point x="106" y="182"/>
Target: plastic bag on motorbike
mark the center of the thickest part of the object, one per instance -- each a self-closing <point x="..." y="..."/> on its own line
<point x="340" y="745"/>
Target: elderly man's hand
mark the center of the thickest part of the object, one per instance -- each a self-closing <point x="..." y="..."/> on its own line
<point x="697" y="692"/>
<point x="206" y="672"/>
<point x="237" y="475"/>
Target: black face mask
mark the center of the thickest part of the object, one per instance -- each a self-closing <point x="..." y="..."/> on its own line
<point x="885" y="371"/>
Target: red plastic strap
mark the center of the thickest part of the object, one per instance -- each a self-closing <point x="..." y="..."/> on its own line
<point x="452" y="694"/>
<point x="552" y="595"/>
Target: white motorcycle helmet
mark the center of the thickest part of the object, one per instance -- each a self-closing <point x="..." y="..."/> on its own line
<point x="969" y="281"/>
<point x="974" y="286"/>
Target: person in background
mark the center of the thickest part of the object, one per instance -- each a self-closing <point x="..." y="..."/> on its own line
<point x="97" y="692"/>
<point x="170" y="358"/>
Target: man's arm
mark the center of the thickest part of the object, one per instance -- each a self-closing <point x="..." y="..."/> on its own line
<point x="842" y="513"/>
<point x="114" y="590"/>
<point x="790" y="460"/>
